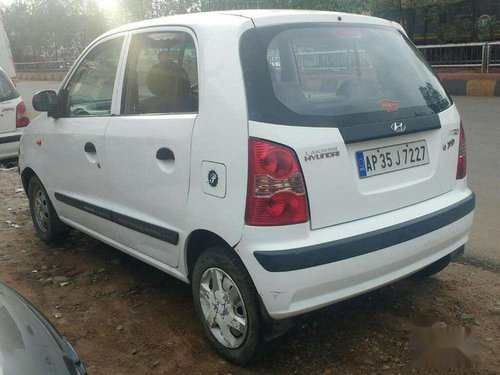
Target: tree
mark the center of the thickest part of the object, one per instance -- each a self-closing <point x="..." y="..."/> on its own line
<point x="407" y="11"/>
<point x="135" y="10"/>
<point x="42" y="30"/>
<point x="356" y="6"/>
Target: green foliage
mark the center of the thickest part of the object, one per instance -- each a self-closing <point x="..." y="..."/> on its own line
<point x="42" y="30"/>
<point x="487" y="29"/>
<point x="51" y="29"/>
<point x="355" y="6"/>
<point x="45" y="30"/>
<point x="457" y="32"/>
<point x="402" y="10"/>
<point x="135" y="10"/>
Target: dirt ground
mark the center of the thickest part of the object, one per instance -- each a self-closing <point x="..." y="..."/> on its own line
<point x="124" y="317"/>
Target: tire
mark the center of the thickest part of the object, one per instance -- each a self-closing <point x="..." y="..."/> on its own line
<point x="433" y="268"/>
<point x="240" y="346"/>
<point x="45" y="220"/>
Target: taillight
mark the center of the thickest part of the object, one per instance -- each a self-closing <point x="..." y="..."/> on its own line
<point x="22" y="118"/>
<point x="462" y="155"/>
<point x="276" y="192"/>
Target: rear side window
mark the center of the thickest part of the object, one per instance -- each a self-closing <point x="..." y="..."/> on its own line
<point x="337" y="76"/>
<point x="90" y="89"/>
<point x="162" y="75"/>
<point x="7" y="89"/>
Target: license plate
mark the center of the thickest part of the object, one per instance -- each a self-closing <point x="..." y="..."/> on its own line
<point x="392" y="158"/>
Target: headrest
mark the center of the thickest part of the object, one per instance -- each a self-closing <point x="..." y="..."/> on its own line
<point x="161" y="80"/>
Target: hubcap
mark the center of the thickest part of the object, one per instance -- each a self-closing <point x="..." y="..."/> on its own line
<point x="41" y="209"/>
<point x="223" y="308"/>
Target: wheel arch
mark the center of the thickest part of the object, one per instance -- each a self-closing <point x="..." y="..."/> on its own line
<point x="26" y="175"/>
<point x="201" y="240"/>
<point x="197" y="243"/>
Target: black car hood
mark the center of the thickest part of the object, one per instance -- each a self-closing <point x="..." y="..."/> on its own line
<point x="29" y="344"/>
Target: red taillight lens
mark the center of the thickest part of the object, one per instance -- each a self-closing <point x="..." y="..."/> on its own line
<point x="276" y="191"/>
<point x="22" y="118"/>
<point x="462" y="155"/>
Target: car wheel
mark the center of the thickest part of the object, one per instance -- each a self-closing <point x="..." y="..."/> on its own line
<point x="433" y="268"/>
<point x="45" y="219"/>
<point x="227" y="304"/>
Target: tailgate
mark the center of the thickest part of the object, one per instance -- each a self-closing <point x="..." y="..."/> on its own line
<point x="372" y="126"/>
<point x="336" y="189"/>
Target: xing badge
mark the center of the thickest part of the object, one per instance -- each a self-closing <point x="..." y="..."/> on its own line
<point x="213" y="178"/>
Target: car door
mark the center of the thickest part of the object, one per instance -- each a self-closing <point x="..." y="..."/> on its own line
<point x="75" y="172"/>
<point x="148" y="143"/>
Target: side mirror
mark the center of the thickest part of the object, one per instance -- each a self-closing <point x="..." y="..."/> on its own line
<point x="46" y="101"/>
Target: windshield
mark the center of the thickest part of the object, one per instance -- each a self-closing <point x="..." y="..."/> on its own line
<point x="337" y="76"/>
<point x="7" y="90"/>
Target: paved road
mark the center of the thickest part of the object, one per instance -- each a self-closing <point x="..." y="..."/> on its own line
<point x="482" y="122"/>
<point x="481" y="118"/>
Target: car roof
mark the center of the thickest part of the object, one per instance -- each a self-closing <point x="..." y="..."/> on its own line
<point x="259" y="17"/>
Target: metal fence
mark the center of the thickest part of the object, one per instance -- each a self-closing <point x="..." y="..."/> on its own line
<point x="494" y="54"/>
<point x="331" y="59"/>
<point x="45" y="65"/>
<point x="479" y="55"/>
<point x="466" y="55"/>
<point x="327" y="60"/>
<point x="473" y="55"/>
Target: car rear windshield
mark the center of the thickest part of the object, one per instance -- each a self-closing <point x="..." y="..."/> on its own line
<point x="331" y="75"/>
<point x="7" y="89"/>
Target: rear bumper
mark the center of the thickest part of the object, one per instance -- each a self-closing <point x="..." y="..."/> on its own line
<point x="9" y="145"/>
<point x="336" y="263"/>
<point x="346" y="248"/>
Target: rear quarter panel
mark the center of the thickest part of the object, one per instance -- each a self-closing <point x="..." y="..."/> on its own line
<point x="220" y="133"/>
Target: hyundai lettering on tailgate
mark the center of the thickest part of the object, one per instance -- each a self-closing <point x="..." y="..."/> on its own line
<point x="392" y="158"/>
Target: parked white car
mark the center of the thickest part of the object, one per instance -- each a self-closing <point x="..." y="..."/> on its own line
<point x="13" y="118"/>
<point x="279" y="161"/>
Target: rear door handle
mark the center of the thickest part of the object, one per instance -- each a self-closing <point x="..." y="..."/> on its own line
<point x="90" y="148"/>
<point x="165" y="154"/>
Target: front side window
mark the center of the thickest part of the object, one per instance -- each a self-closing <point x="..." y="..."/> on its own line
<point x="337" y="76"/>
<point x="90" y="89"/>
<point x="162" y="75"/>
<point x="7" y="89"/>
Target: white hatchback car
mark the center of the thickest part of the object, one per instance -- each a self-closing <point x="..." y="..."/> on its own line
<point x="279" y="161"/>
<point x="13" y="118"/>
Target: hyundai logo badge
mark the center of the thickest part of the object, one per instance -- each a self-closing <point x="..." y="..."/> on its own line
<point x="398" y="127"/>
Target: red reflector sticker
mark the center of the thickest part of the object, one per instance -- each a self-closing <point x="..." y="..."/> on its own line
<point x="389" y="105"/>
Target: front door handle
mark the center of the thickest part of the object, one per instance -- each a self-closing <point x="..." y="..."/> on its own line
<point x="165" y="154"/>
<point x="90" y="148"/>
